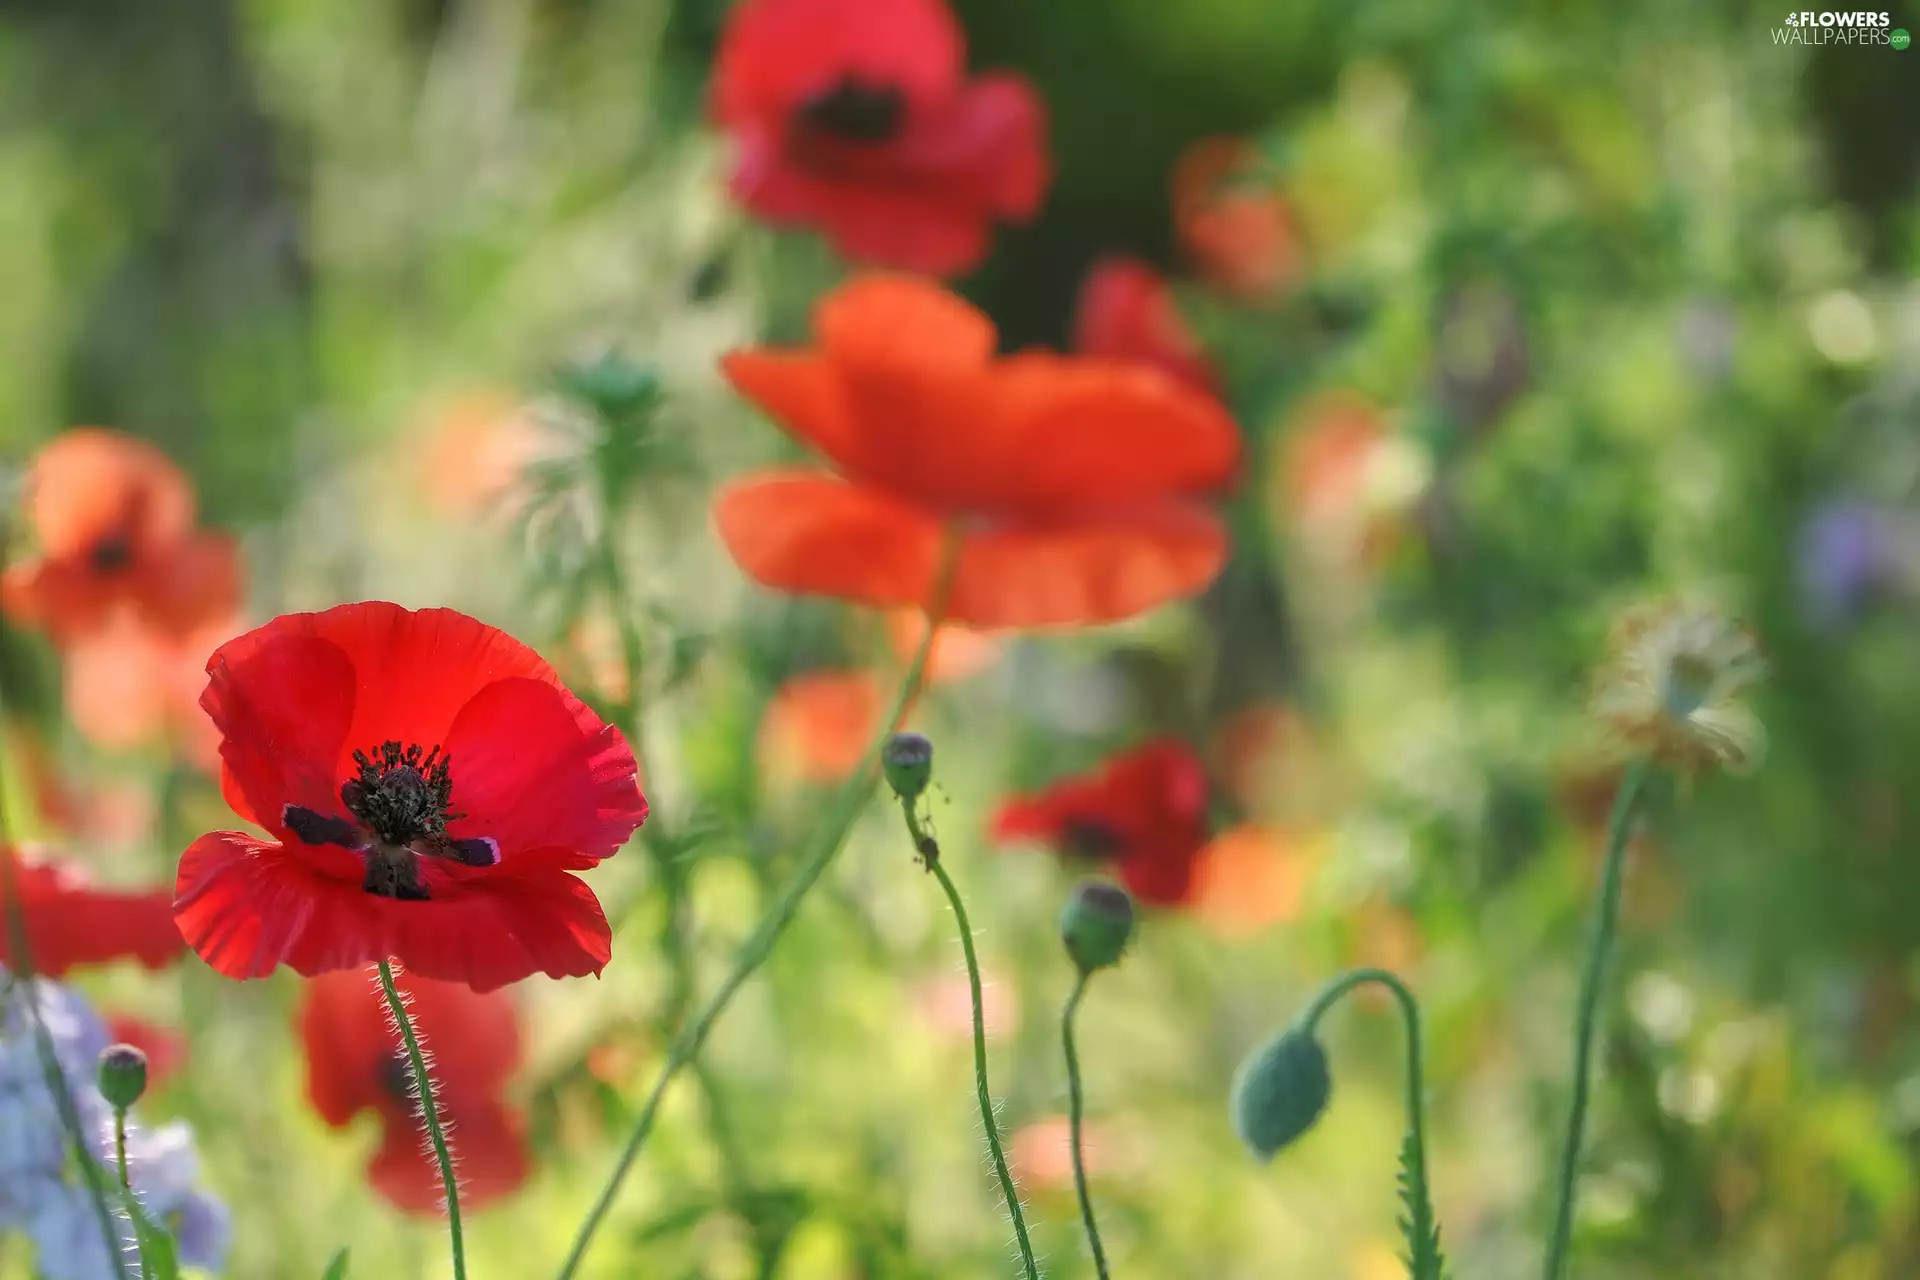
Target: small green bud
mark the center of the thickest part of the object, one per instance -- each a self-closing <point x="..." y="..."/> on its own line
<point x="123" y="1075"/>
<point x="1279" y="1092"/>
<point x="908" y="761"/>
<point x="1096" y="924"/>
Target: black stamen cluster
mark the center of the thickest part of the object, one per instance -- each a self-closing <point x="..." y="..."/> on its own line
<point x="856" y="112"/>
<point x="401" y="794"/>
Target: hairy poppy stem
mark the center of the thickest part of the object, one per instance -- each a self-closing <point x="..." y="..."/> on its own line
<point x="754" y="951"/>
<point x="1076" y="1105"/>
<point x="1592" y="977"/>
<point x="929" y="851"/>
<point x="20" y="951"/>
<point x="424" y="1083"/>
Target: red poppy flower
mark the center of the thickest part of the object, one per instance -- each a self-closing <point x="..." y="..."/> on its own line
<point x="357" y="1062"/>
<point x="856" y="116"/>
<point x="114" y="519"/>
<point x="1126" y="311"/>
<point x="1144" y="812"/>
<point x="1073" y="481"/>
<point x="72" y="922"/>
<point x="429" y="784"/>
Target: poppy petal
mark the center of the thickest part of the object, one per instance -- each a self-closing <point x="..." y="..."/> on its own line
<point x="89" y="483"/>
<point x="526" y="776"/>
<point x="247" y="906"/>
<point x="488" y="1142"/>
<point x="807" y="532"/>
<point x="283" y="702"/>
<point x="1100" y="569"/>
<point x="70" y="922"/>
<point x="774" y="54"/>
<point x="800" y="392"/>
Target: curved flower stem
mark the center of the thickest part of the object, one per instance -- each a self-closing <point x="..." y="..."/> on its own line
<point x="1592" y="976"/>
<point x="1076" y="1103"/>
<point x="1418" y="1191"/>
<point x="754" y="951"/>
<point x="424" y="1083"/>
<point x="987" y="1118"/>
<point x="20" y="951"/>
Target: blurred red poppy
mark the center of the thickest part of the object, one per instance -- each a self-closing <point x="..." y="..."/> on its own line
<point x="1073" y="482"/>
<point x="1126" y="311"/>
<point x="957" y="652"/>
<point x="856" y="116"/>
<point x="429" y="785"/>
<point x="73" y="922"/>
<point x="1144" y="812"/>
<point x="114" y="520"/>
<point x="1231" y="221"/>
<point x="356" y="1062"/>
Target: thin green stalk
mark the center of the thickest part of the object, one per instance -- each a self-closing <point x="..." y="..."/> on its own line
<point x="987" y="1117"/>
<point x="754" y="951"/>
<point x="1076" y="1104"/>
<point x="1592" y="978"/>
<point x="120" y="1146"/>
<point x="424" y="1083"/>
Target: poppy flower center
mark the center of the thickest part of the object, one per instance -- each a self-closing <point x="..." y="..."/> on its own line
<point x="111" y="554"/>
<point x="855" y="112"/>
<point x="396" y="1078"/>
<point x="401" y="794"/>
<point x="1091" y="838"/>
<point x="401" y="801"/>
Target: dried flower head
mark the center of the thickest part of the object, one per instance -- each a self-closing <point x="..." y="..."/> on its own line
<point x="1673" y="684"/>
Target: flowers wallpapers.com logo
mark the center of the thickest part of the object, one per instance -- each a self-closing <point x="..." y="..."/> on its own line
<point x="1858" y="27"/>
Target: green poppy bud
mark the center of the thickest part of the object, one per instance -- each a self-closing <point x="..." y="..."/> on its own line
<point x="908" y="761"/>
<point x="1279" y="1092"/>
<point x="1096" y="924"/>
<point x="123" y="1075"/>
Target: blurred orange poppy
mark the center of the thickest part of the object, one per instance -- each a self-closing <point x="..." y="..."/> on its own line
<point x="1343" y="476"/>
<point x="1073" y="483"/>
<point x="128" y="685"/>
<point x="1231" y="221"/>
<point x="114" y="520"/>
<point x="1041" y="1153"/>
<point x="477" y="444"/>
<point x="1250" y="877"/>
<point x="946" y="1002"/>
<point x="819" y="724"/>
<point x="957" y="653"/>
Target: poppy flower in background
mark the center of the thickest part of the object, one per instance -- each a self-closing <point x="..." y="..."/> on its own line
<point x="857" y="117"/>
<point x="128" y="685"/>
<point x="1126" y="311"/>
<point x="1073" y="482"/>
<point x="1231" y="221"/>
<point x="1248" y="878"/>
<point x="71" y="921"/>
<point x="429" y="785"/>
<point x="1143" y="812"/>
<point x="114" y="519"/>
<point x="357" y="1062"/>
<point x="957" y="652"/>
<point x="819" y="724"/>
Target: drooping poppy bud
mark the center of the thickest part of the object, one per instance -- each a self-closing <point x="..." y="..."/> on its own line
<point x="1280" y="1091"/>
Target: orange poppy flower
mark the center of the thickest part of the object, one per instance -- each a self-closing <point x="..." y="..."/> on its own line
<point x="1250" y="877"/>
<point x="128" y="685"/>
<point x="1041" y="1153"/>
<point x="819" y="724"/>
<point x="114" y="519"/>
<point x="1233" y="225"/>
<point x="1073" y="482"/>
<point x="475" y="448"/>
<point x="957" y="653"/>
